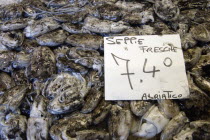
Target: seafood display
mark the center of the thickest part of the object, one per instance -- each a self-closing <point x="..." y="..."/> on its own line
<point x="52" y="70"/>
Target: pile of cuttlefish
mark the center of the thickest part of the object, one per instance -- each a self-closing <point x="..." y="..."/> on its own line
<point x="52" y="70"/>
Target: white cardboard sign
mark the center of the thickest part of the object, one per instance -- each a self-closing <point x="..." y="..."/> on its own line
<point x="146" y="67"/>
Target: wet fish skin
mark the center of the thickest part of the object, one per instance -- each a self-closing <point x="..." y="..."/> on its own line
<point x="86" y="57"/>
<point x="13" y="97"/>
<point x="194" y="130"/>
<point x="95" y="79"/>
<point x="19" y="77"/>
<point x="168" y="107"/>
<point x="197" y="98"/>
<point x="67" y="69"/>
<point x="37" y="128"/>
<point x="166" y="10"/>
<point x="130" y="6"/>
<point x="174" y="126"/>
<point x="65" y="103"/>
<point x="73" y="123"/>
<point x="92" y="134"/>
<point x="107" y="12"/>
<point x="139" y="108"/>
<point x="202" y="83"/>
<point x="73" y="28"/>
<point x="28" y="45"/>
<point x="101" y="111"/>
<point x="39" y="121"/>
<point x="15" y="24"/>
<point x="192" y="4"/>
<point x="188" y="41"/>
<point x="13" y="126"/>
<point x="152" y="123"/>
<point x="119" y="123"/>
<point x="136" y="18"/>
<point x="42" y="63"/>
<point x="11" y="11"/>
<point x="52" y="39"/>
<point x="201" y="32"/>
<point x="6" y="59"/>
<point x="91" y="101"/>
<point x="100" y="2"/>
<point x="11" y="40"/>
<point x="85" y="40"/>
<point x="39" y="27"/>
<point x="64" y="82"/>
<point x="39" y="107"/>
<point x="66" y="93"/>
<point x="192" y="57"/>
<point x="104" y="26"/>
<point x="6" y="82"/>
<point x="65" y="65"/>
<point x="22" y="60"/>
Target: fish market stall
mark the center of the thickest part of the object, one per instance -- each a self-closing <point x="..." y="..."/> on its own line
<point x="52" y="79"/>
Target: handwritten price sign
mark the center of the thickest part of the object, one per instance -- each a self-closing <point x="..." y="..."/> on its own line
<point x="144" y="68"/>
